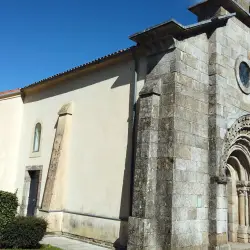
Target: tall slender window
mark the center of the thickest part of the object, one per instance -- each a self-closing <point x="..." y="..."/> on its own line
<point x="37" y="137"/>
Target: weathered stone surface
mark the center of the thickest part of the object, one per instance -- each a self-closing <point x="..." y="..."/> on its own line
<point x="200" y="118"/>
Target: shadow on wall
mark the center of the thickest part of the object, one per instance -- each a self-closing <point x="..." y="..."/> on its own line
<point x="124" y="74"/>
<point x="122" y="71"/>
<point x="127" y="190"/>
<point x="128" y="177"/>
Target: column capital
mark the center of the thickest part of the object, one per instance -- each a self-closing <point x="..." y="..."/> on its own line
<point x="242" y="191"/>
<point x="240" y="184"/>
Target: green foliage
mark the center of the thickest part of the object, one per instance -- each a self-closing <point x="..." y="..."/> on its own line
<point x="23" y="232"/>
<point x="8" y="208"/>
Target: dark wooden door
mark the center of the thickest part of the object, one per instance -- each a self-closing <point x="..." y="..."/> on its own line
<point x="34" y="182"/>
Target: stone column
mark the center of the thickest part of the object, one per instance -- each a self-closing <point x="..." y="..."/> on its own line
<point x="248" y="200"/>
<point x="242" y="231"/>
<point x="247" y="208"/>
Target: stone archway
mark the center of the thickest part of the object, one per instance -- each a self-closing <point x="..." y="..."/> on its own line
<point x="236" y="167"/>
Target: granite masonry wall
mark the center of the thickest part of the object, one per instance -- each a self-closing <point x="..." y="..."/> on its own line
<point x="190" y="225"/>
<point x="150" y="224"/>
<point x="227" y="104"/>
<point x="171" y="193"/>
<point x="190" y="99"/>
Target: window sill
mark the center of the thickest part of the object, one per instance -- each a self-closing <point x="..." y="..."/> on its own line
<point x="35" y="154"/>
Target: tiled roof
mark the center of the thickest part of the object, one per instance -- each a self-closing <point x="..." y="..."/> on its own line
<point x="8" y="92"/>
<point x="170" y="27"/>
<point x="96" y="61"/>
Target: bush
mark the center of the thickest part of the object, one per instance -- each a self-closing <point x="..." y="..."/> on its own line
<point x="8" y="208"/>
<point x="23" y="232"/>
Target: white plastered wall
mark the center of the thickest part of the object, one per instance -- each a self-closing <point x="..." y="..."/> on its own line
<point x="98" y="147"/>
<point x="10" y="131"/>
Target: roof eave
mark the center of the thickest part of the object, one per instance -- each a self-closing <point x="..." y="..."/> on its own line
<point x="77" y="70"/>
<point x="8" y="94"/>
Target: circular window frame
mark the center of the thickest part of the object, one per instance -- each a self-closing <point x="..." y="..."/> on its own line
<point x="242" y="59"/>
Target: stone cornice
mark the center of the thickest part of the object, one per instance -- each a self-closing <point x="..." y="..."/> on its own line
<point x="176" y="30"/>
<point x="202" y="8"/>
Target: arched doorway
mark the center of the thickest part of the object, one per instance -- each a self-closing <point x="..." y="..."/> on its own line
<point x="237" y="170"/>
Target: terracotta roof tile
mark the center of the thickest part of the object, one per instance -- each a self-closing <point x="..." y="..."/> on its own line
<point x="98" y="60"/>
<point x="9" y="92"/>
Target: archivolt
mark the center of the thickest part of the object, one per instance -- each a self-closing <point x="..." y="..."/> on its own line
<point x="236" y="151"/>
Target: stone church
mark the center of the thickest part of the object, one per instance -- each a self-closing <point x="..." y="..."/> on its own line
<point x="147" y="148"/>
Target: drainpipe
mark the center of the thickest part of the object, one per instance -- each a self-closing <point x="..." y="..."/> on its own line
<point x="134" y="122"/>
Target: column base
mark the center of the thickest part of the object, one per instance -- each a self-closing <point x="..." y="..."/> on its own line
<point x="248" y="231"/>
<point x="222" y="247"/>
<point x="243" y="234"/>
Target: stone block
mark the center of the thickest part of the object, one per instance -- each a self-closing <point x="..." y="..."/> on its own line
<point x="167" y="111"/>
<point x="222" y="202"/>
<point x="139" y="201"/>
<point x="219" y="239"/>
<point x="182" y="164"/>
<point x="191" y="83"/>
<point x="218" y="69"/>
<point x="184" y="176"/>
<point x="182" y="137"/>
<point x="179" y="200"/>
<point x="188" y="188"/>
<point x="192" y="214"/>
<point x="189" y="48"/>
<point x="221" y="226"/>
<point x="180" y="213"/>
<point x="202" y="213"/>
<point x="191" y="115"/>
<point x="202" y="167"/>
<point x="201" y="142"/>
<point x="166" y="124"/>
<point x="163" y="186"/>
<point x="182" y="125"/>
<point x="202" y="178"/>
<point x="199" y="155"/>
<point x="167" y="100"/>
<point x="147" y="150"/>
<point x="222" y="214"/>
<point x="182" y="151"/>
<point x="233" y="227"/>
<point x="148" y="123"/>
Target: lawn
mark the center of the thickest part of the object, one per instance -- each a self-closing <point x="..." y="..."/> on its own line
<point x="44" y="247"/>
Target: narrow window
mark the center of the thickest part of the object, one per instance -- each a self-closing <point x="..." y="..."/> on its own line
<point x="37" y="137"/>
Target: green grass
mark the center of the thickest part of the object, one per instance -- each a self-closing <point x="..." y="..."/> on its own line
<point x="44" y="247"/>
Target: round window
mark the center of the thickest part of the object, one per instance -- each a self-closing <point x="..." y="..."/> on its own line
<point x="244" y="74"/>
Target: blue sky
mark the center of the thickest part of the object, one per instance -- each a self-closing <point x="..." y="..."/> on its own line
<point x="42" y="38"/>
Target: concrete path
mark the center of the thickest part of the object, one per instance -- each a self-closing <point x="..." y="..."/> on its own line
<point x="240" y="246"/>
<point x="68" y="244"/>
